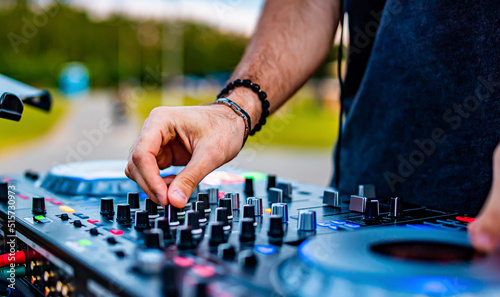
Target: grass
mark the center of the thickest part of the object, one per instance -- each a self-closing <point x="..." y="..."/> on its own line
<point x="34" y="123"/>
<point x="302" y="122"/>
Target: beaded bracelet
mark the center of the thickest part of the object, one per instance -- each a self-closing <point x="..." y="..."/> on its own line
<point x="256" y="89"/>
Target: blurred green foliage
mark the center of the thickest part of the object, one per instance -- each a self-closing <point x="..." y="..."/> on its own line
<point x="35" y="42"/>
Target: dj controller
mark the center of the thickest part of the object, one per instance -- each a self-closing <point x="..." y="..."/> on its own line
<point x="84" y="229"/>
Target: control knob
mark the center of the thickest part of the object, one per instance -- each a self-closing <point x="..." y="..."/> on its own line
<point x="307" y="221"/>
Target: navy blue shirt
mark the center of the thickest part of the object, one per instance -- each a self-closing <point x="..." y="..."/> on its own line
<point x="423" y="101"/>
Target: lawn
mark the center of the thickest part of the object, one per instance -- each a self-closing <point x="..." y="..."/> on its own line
<point x="301" y="122"/>
<point x="34" y="123"/>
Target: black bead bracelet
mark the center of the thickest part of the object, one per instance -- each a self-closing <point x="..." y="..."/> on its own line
<point x="256" y="89"/>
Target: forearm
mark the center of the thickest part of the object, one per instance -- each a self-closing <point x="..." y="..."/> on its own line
<point x="291" y="40"/>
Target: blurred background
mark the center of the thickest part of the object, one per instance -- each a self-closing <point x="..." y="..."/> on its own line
<point x="107" y="63"/>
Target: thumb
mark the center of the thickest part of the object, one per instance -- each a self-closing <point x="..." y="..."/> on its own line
<point x="485" y="231"/>
<point x="184" y="184"/>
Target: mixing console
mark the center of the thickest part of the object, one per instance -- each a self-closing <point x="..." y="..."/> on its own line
<point x="84" y="229"/>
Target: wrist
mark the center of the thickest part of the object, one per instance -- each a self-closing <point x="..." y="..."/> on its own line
<point x="249" y="101"/>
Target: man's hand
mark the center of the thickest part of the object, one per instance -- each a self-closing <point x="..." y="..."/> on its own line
<point x="485" y="231"/>
<point x="200" y="137"/>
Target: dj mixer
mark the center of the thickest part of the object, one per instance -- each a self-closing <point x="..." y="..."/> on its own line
<point x="84" y="229"/>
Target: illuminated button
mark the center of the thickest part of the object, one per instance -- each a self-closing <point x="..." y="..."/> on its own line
<point x="322" y="224"/>
<point x="57" y="202"/>
<point x="48" y="291"/>
<point x="93" y="221"/>
<point x="352" y="225"/>
<point x="65" y="208"/>
<point x="59" y="286"/>
<point x="221" y="194"/>
<point x="333" y="227"/>
<point x="84" y="242"/>
<point x="268" y="210"/>
<point x="337" y="222"/>
<point x="465" y="219"/>
<point x="41" y="219"/>
<point x="49" y="199"/>
<point x="183" y="261"/>
<point x="204" y="270"/>
<point x="35" y="280"/>
<point x="116" y="232"/>
<point x="265" y="249"/>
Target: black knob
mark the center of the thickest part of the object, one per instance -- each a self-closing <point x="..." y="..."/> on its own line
<point x="226" y="252"/>
<point x="249" y="211"/>
<point x="202" y="290"/>
<point x="396" y="208"/>
<point x="170" y="275"/>
<point x="141" y="220"/>
<point x="77" y="223"/>
<point x="133" y="200"/>
<point x="153" y="239"/>
<point x="247" y="230"/>
<point x="94" y="231"/>
<point x="111" y="240"/>
<point x="64" y="217"/>
<point x="107" y="207"/>
<point x="204" y="197"/>
<point x="192" y="218"/>
<point x="30" y="174"/>
<point x="271" y="181"/>
<point x="173" y="217"/>
<point x="221" y="215"/>
<point x="275" y="195"/>
<point x="227" y="203"/>
<point x="163" y="225"/>
<point x="185" y="238"/>
<point x="4" y="192"/>
<point x="286" y="188"/>
<point x="123" y="214"/>
<point x="38" y="206"/>
<point x="199" y="206"/>
<point x="151" y="208"/>
<point x="249" y="186"/>
<point x="216" y="233"/>
<point x="276" y="226"/>
<point x="247" y="259"/>
<point x="372" y="212"/>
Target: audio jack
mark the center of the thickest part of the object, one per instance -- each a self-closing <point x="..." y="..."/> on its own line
<point x="16" y="258"/>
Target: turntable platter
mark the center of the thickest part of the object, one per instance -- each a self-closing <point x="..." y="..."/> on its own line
<point x="390" y="262"/>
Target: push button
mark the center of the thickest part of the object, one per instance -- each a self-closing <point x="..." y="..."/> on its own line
<point x="465" y="219"/>
<point x="41" y="219"/>
<point x="66" y="208"/>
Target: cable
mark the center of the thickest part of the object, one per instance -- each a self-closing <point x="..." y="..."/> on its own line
<point x="341" y="99"/>
<point x="19" y="271"/>
<point x="16" y="258"/>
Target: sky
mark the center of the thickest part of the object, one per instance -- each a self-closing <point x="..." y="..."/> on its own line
<point x="229" y="15"/>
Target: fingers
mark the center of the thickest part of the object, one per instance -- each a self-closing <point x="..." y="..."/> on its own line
<point x="485" y="231"/>
<point x="143" y="167"/>
<point x="202" y="163"/>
